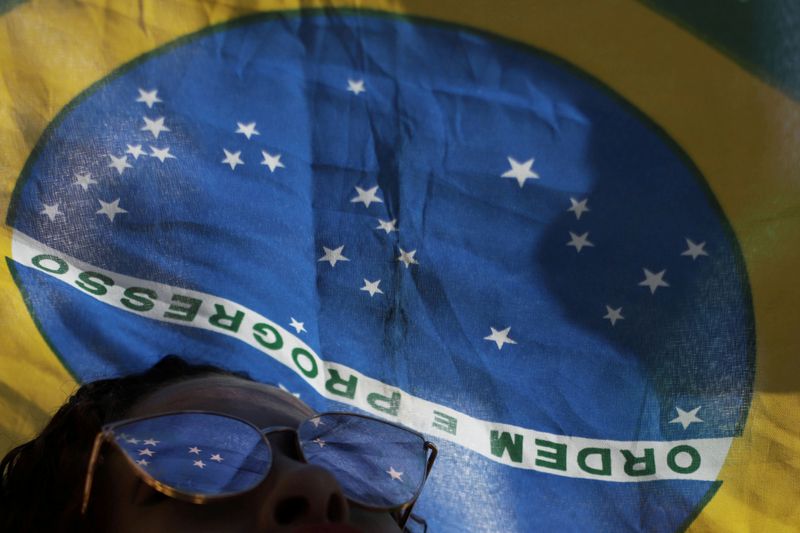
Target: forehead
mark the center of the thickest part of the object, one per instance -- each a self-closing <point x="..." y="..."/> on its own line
<point x="260" y="404"/>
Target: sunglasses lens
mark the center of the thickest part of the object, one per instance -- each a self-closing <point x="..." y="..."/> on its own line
<point x="198" y="453"/>
<point x="377" y="464"/>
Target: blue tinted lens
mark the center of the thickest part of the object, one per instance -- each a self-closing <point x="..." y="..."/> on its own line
<point x="198" y="453"/>
<point x="377" y="464"/>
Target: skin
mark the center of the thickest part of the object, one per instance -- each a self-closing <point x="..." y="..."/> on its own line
<point x="295" y="497"/>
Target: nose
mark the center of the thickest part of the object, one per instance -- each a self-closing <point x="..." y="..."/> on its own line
<point x="304" y="494"/>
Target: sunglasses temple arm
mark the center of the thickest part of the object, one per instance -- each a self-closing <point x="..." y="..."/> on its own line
<point x="87" y="486"/>
<point x="406" y="513"/>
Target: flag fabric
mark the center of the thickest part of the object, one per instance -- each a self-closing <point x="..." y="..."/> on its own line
<point x="557" y="239"/>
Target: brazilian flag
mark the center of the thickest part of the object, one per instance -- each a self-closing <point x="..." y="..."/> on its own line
<point x="561" y="239"/>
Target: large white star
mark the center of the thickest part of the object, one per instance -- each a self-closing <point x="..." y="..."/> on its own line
<point x="195" y="450"/>
<point x="694" y="250"/>
<point x="366" y="197"/>
<point x="154" y="126"/>
<point x="298" y="326"/>
<point x="407" y="258"/>
<point x="142" y="462"/>
<point x="148" y="97"/>
<point x="578" y="208"/>
<point x="216" y="457"/>
<point x="395" y="474"/>
<point x="272" y="161"/>
<point x="387" y="225"/>
<point x="135" y="150"/>
<point x="147" y="451"/>
<point x="151" y="442"/>
<point x="248" y="130"/>
<point x="110" y="209"/>
<point x="579" y="241"/>
<point x="355" y="86"/>
<point x="119" y="163"/>
<point x="333" y="255"/>
<point x="371" y="287"/>
<point x="653" y="281"/>
<point x="199" y="464"/>
<point x="161" y="153"/>
<point x="500" y="337"/>
<point x="232" y="158"/>
<point x="520" y="171"/>
<point x="84" y="179"/>
<point x="613" y="314"/>
<point x="51" y="211"/>
<point x="685" y="418"/>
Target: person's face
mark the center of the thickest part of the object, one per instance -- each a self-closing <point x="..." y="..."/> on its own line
<point x="295" y="496"/>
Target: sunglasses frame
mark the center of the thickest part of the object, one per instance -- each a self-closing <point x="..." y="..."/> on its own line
<point x="107" y="435"/>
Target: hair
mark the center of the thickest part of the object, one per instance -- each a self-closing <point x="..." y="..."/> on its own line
<point x="42" y="480"/>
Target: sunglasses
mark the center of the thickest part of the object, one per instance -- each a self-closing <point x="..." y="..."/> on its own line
<point x="202" y="457"/>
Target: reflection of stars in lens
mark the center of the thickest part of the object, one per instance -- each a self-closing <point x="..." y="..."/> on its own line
<point x="395" y="474"/>
<point x="195" y="450"/>
<point x="217" y="457"/>
<point x="320" y="442"/>
<point x="142" y="462"/>
<point x="147" y="451"/>
<point x="199" y="463"/>
<point x="317" y="422"/>
<point x="151" y="442"/>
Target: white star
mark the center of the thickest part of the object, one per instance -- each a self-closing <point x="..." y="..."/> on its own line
<point x="217" y="457"/>
<point x="298" y="326"/>
<point x="154" y="126"/>
<point x="520" y="171"/>
<point x="578" y="208"/>
<point x="387" y="225"/>
<point x="119" y="163"/>
<point x="355" y="86"/>
<point x="148" y="97"/>
<point x="147" y="451"/>
<point x="248" y="130"/>
<point x="135" y="150"/>
<point x="614" y="314"/>
<point x="199" y="464"/>
<point x="579" y="241"/>
<point x="685" y="418"/>
<point x="232" y="158"/>
<point x="407" y="258"/>
<point x="284" y="389"/>
<point x="500" y="337"/>
<point x="161" y="153"/>
<point x="320" y="442"/>
<point x="110" y="209"/>
<point x="653" y="281"/>
<point x="272" y="161"/>
<point x="371" y="287"/>
<point x="51" y="211"/>
<point x="195" y="450"/>
<point x="132" y="441"/>
<point x="142" y="462"/>
<point x="395" y="474"/>
<point x="317" y="422"/>
<point x="151" y="442"/>
<point x="694" y="250"/>
<point x="84" y="179"/>
<point x="333" y="256"/>
<point x="366" y="197"/>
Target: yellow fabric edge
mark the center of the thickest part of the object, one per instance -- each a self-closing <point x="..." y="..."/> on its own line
<point x="740" y="132"/>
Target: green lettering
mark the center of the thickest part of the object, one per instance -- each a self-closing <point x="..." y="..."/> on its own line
<point x="648" y="463"/>
<point x="225" y="321"/>
<point x="86" y="281"/>
<point x="502" y="441"/>
<point x="183" y="312"/>
<point x="335" y="383"/>
<point x="60" y="268"/>
<point x="444" y="422"/>
<point x="693" y="454"/>
<point x="310" y="369"/>
<point x="259" y="332"/>
<point x="555" y="458"/>
<point x="136" y="298"/>
<point x="385" y="404"/>
<point x="605" y="461"/>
